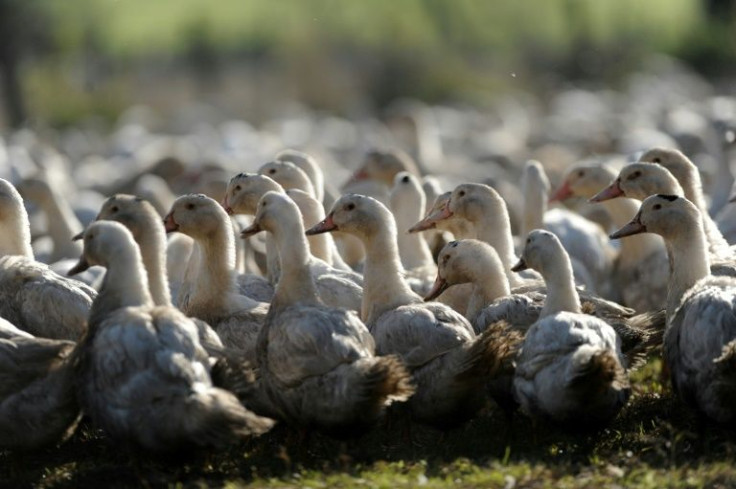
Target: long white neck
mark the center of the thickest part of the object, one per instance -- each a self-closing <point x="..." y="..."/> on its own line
<point x="635" y="248"/>
<point x="413" y="248"/>
<point x="561" y="292"/>
<point x="295" y="283"/>
<point x="273" y="267"/>
<point x="153" y="250"/>
<point x="16" y="237"/>
<point x="535" y="206"/>
<point x="125" y="283"/>
<point x="212" y="286"/>
<point x="495" y="229"/>
<point x="690" y="263"/>
<point x="384" y="287"/>
<point x="489" y="283"/>
<point x="693" y="188"/>
<point x="62" y="225"/>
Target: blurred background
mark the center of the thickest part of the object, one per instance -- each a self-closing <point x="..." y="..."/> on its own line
<point x="70" y="62"/>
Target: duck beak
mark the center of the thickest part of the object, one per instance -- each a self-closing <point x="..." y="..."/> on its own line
<point x="79" y="236"/>
<point x="562" y="193"/>
<point x="520" y="266"/>
<point x="170" y="224"/>
<point x="634" y="227"/>
<point x="226" y="205"/>
<point x="430" y="221"/>
<point x="440" y="285"/>
<point x="80" y="267"/>
<point x="254" y="228"/>
<point x="610" y="192"/>
<point x="324" y="226"/>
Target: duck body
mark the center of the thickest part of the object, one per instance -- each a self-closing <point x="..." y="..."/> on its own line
<point x="317" y="363"/>
<point x="41" y="302"/>
<point x="38" y="403"/>
<point x="569" y="370"/>
<point x="700" y="348"/>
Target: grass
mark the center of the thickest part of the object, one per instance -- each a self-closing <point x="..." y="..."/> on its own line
<point x="654" y="442"/>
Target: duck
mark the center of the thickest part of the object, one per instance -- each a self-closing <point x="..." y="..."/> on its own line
<point x="590" y="251"/>
<point x="700" y="340"/>
<point x="570" y="368"/>
<point x="143" y="221"/>
<point x="142" y="375"/>
<point x="448" y="362"/>
<point x="339" y="288"/>
<point x="668" y="172"/>
<point x="209" y="291"/>
<point x="38" y="403"/>
<point x="62" y="224"/>
<point x="382" y="165"/>
<point x="317" y="364"/>
<point x="407" y="203"/>
<point x="475" y="263"/>
<point x="641" y="269"/>
<point x="32" y="296"/>
<point x="483" y="209"/>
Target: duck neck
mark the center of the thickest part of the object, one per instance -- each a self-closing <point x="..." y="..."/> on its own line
<point x="153" y="251"/>
<point x="273" y="267"/>
<point x="384" y="287"/>
<point x="413" y="248"/>
<point x="319" y="246"/>
<point x="562" y="296"/>
<point x="295" y="284"/>
<point x="17" y="239"/>
<point x="693" y="190"/>
<point x="690" y="262"/>
<point x="635" y="248"/>
<point x="125" y="283"/>
<point x="535" y="206"/>
<point x="214" y="281"/>
<point x="495" y="229"/>
<point x="489" y="284"/>
<point x="62" y="225"/>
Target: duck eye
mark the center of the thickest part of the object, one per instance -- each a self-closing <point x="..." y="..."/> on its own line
<point x="528" y="240"/>
<point x="657" y="160"/>
<point x="350" y="207"/>
<point x="264" y="203"/>
<point x="272" y="171"/>
<point x="405" y="179"/>
<point x="581" y="173"/>
<point x="237" y="187"/>
<point x="634" y="175"/>
<point x="461" y="193"/>
<point x="114" y="209"/>
<point x="190" y="206"/>
<point x="656" y="207"/>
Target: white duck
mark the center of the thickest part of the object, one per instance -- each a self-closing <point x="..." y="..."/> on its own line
<point x="448" y="362"/>
<point x="668" y="171"/>
<point x="308" y="164"/>
<point x="144" y="223"/>
<point x="32" y="297"/>
<point x="700" y="340"/>
<point x="209" y="291"/>
<point x="570" y="368"/>
<point x="338" y="288"/>
<point x="142" y="374"/>
<point x="38" y="403"/>
<point x="641" y="270"/>
<point x="62" y="224"/>
<point x="316" y="363"/>
<point x="590" y="251"/>
<point x="477" y="264"/>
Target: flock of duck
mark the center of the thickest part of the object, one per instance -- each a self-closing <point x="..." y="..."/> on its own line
<point x="199" y="320"/>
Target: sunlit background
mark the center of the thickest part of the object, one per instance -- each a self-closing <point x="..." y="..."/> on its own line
<point x="68" y="61"/>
